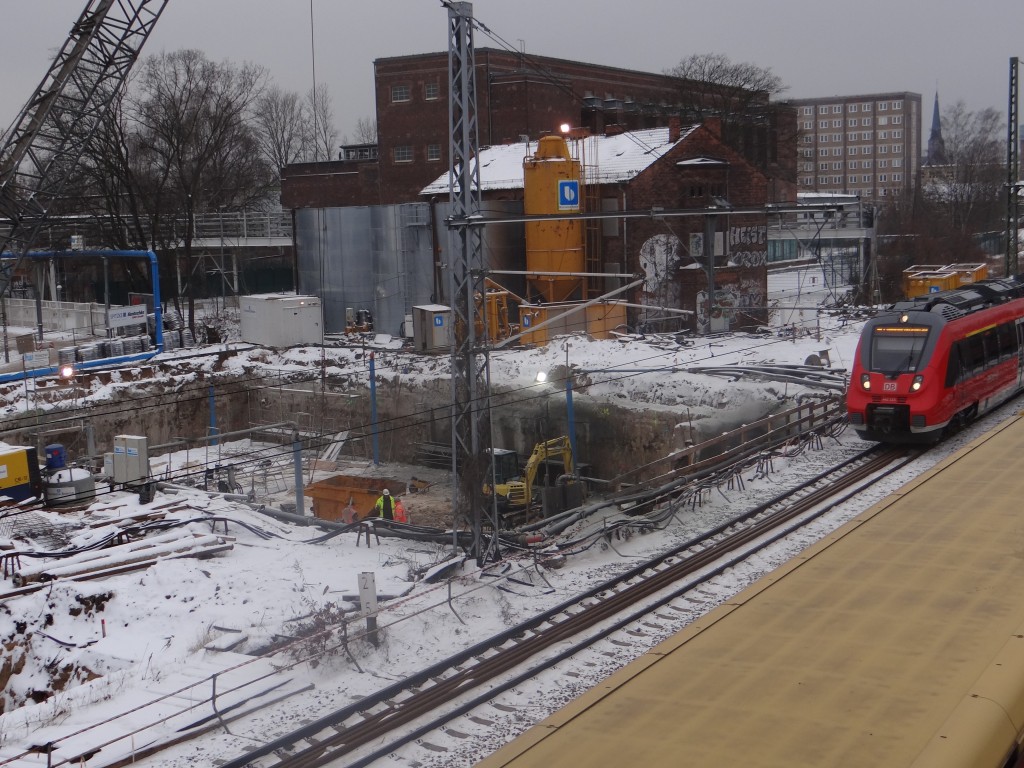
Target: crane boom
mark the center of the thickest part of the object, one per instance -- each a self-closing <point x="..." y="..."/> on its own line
<point x="48" y="137"/>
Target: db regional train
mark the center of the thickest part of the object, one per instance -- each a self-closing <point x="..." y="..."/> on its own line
<point x="935" y="362"/>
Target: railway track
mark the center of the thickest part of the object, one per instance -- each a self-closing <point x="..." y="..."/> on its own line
<point x="378" y="725"/>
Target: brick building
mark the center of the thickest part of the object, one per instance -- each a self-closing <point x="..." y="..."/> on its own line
<point x="517" y="96"/>
<point x="675" y="169"/>
<point x="867" y="145"/>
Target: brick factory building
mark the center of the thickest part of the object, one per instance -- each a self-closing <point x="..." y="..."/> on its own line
<point x="519" y="97"/>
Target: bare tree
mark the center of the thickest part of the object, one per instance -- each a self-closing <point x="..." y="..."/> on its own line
<point x="366" y="131"/>
<point x="195" y="143"/>
<point x="323" y="136"/>
<point x="967" y="190"/>
<point x="715" y="85"/>
<point x="282" y="126"/>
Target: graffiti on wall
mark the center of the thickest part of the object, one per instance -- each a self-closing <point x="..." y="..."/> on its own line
<point x="732" y="302"/>
<point x="748" y="246"/>
<point x="659" y="260"/>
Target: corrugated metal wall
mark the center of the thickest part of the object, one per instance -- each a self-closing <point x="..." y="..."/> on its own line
<point x="381" y="258"/>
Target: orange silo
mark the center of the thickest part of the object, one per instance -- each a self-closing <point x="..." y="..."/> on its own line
<point x="552" y="185"/>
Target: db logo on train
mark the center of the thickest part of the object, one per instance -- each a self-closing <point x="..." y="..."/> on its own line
<point x="889" y="386"/>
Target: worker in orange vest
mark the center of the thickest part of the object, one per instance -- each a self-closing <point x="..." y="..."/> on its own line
<point x="400" y="516"/>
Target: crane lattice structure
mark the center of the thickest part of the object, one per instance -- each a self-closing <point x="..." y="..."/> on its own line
<point x="1013" y="181"/>
<point x="466" y="274"/>
<point x="49" y="136"/>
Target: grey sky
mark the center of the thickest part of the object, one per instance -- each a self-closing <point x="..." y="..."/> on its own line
<point x="818" y="48"/>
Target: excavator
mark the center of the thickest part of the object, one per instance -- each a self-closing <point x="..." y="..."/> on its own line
<point x="515" y="489"/>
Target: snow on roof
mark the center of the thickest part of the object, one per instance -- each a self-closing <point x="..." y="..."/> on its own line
<point x="609" y="159"/>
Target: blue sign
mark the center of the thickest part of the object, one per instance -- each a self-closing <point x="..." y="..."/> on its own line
<point x="568" y="195"/>
<point x="934" y="289"/>
<point x="438" y="321"/>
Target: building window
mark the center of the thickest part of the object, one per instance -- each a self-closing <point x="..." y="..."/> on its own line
<point x="822" y="166"/>
<point x="853" y="179"/>
<point x="402" y="154"/>
<point x="851" y="123"/>
<point x="431" y="91"/>
<point x="865" y="163"/>
<point x="883" y="163"/>
<point x="808" y="110"/>
<point x="823" y="138"/>
<point x="897" y="177"/>
<point x="823" y="179"/>
<point x="865" y="121"/>
<point x="837" y="151"/>
<point x="897" y="149"/>
<point x="883" y="149"/>
<point x="852" y="150"/>
<point x="882" y="192"/>
<point x="883" y="105"/>
<point x="837" y="179"/>
<point x="866" y="179"/>
<point x="808" y="125"/>
<point x="897" y="134"/>
<point x="897" y="105"/>
<point x="851" y="137"/>
<point x="865" y="107"/>
<point x="882" y="178"/>
<point x="399" y="93"/>
<point x="823" y="152"/>
<point x="851" y="107"/>
<point x="837" y="123"/>
<point x="897" y="119"/>
<point x="822" y="110"/>
<point x="433" y="152"/>
<point x="883" y="134"/>
<point x="823" y="124"/>
<point x="883" y="121"/>
<point x="865" y="136"/>
<point x="837" y="166"/>
<point x="837" y="109"/>
<point x="897" y="162"/>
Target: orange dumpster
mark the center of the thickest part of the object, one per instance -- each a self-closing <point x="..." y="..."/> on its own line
<point x="347" y="498"/>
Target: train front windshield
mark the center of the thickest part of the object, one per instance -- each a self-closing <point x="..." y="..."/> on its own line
<point x="897" y="349"/>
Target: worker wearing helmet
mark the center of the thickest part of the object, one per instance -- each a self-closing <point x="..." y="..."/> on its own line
<point x="385" y="506"/>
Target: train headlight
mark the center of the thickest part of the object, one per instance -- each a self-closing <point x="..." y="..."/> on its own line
<point x="865" y="381"/>
<point x="916" y="383"/>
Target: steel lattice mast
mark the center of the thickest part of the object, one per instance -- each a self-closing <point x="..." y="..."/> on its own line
<point x="470" y="388"/>
<point x="49" y="135"/>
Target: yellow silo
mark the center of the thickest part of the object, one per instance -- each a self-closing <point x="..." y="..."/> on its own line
<point x="551" y="185"/>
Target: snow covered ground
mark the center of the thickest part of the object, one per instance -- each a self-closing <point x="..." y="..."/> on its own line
<point x="139" y="632"/>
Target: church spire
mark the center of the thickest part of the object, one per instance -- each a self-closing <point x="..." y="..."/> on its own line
<point x="936" y="146"/>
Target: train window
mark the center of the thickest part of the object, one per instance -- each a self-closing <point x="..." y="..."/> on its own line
<point x="953" y="369"/>
<point x="1007" y="340"/>
<point x="973" y="355"/>
<point x="898" y="349"/>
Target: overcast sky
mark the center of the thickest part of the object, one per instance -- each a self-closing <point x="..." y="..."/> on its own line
<point x="817" y="48"/>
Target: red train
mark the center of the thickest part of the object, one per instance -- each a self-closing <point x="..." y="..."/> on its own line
<point x="936" y="362"/>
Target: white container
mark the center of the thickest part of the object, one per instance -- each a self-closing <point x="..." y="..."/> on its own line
<point x="281" y="319"/>
<point x="432" y="328"/>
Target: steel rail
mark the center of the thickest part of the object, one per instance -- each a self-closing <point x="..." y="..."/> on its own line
<point x="330" y="739"/>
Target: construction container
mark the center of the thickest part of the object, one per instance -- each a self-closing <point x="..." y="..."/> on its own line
<point x="922" y="279"/>
<point x="551" y="185"/>
<point x="281" y="320"/>
<point x="347" y="498"/>
<point x="432" y="328"/>
<point x="20" y="477"/>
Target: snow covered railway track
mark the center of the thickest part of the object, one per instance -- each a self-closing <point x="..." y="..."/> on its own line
<point x="622" y="612"/>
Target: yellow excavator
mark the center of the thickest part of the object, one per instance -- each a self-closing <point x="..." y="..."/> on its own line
<point x="513" y="488"/>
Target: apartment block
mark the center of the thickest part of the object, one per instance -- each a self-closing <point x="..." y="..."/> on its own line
<point x="867" y="145"/>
